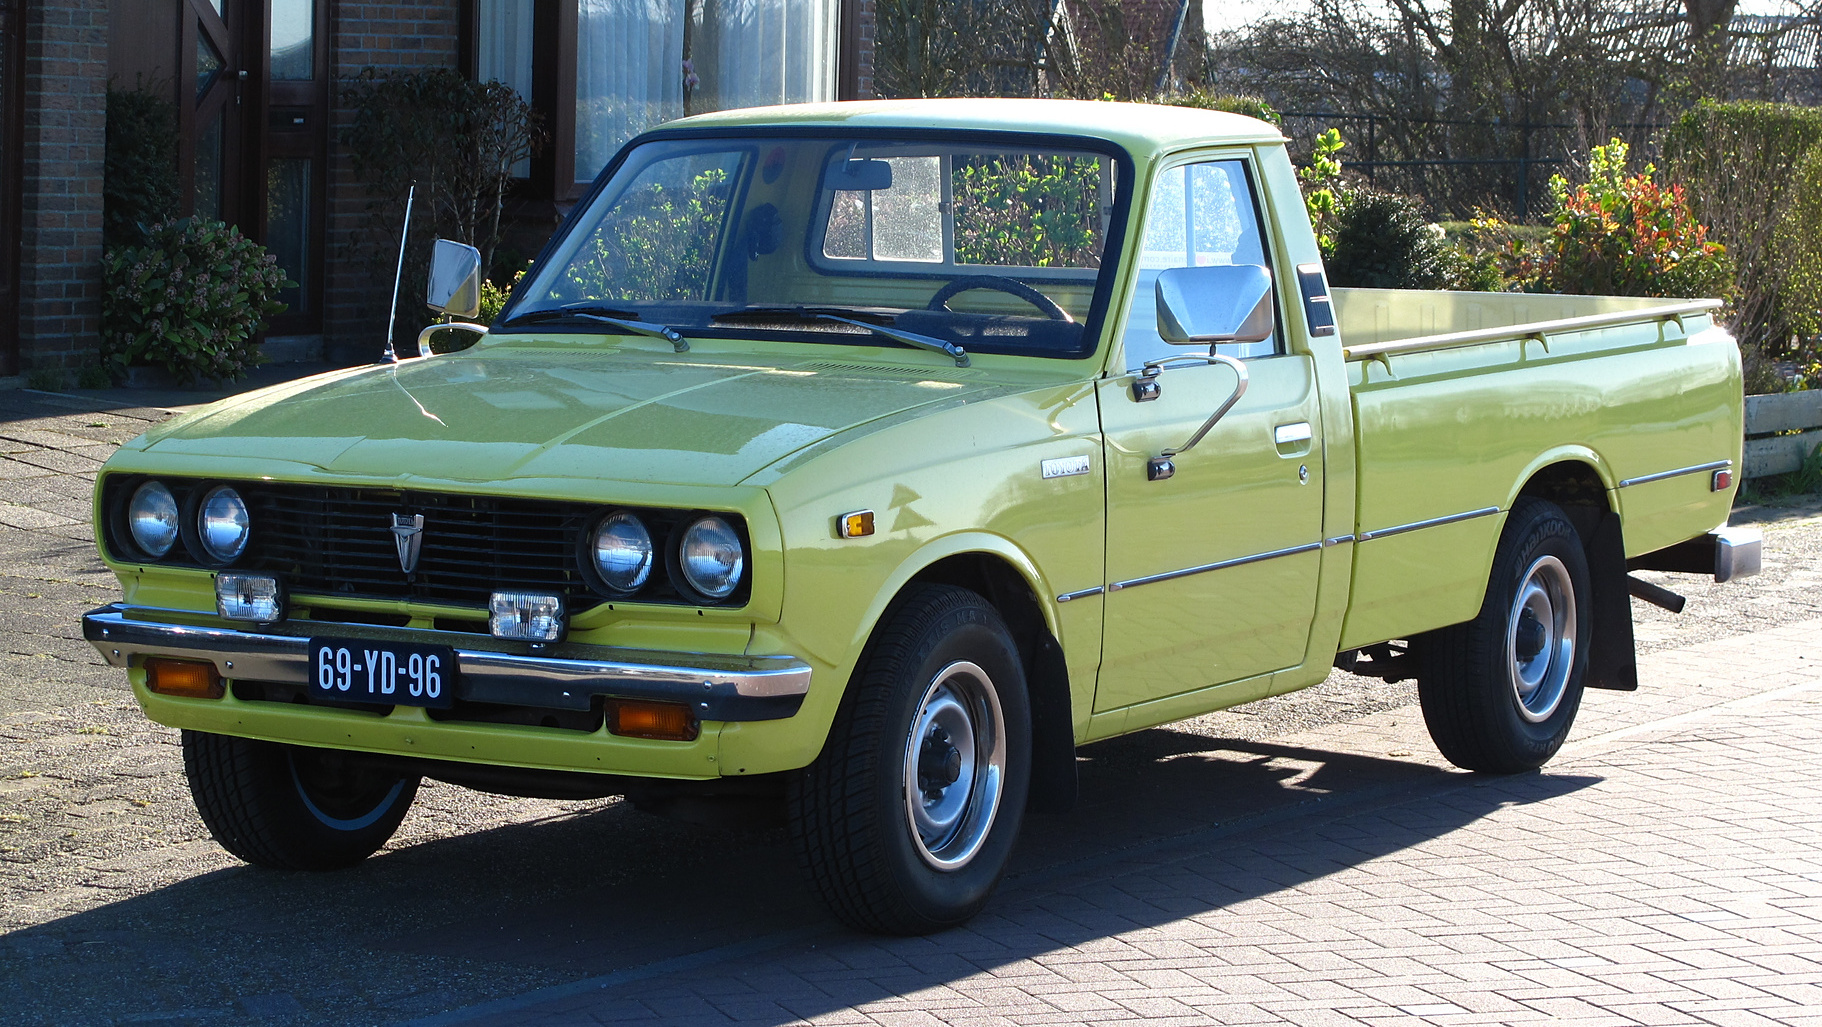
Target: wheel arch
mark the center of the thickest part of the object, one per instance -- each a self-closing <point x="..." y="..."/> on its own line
<point x="1003" y="575"/>
<point x="1580" y="483"/>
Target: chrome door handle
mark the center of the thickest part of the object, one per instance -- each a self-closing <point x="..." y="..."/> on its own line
<point x="1285" y="434"/>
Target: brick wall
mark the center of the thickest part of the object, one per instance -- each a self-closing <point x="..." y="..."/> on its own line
<point x="66" y="70"/>
<point x="404" y="36"/>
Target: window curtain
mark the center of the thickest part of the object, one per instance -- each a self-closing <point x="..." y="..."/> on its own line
<point x="503" y="51"/>
<point x="768" y="51"/>
<point x="630" y="74"/>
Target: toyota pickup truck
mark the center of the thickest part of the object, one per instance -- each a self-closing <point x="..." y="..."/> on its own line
<point x="866" y="459"/>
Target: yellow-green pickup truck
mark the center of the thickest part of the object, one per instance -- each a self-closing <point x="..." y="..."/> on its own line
<point x="868" y="458"/>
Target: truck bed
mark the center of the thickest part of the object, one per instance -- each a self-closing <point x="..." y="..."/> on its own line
<point x="1450" y="390"/>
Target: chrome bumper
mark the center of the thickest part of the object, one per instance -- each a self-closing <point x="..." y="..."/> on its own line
<point x="720" y="687"/>
<point x="1727" y="553"/>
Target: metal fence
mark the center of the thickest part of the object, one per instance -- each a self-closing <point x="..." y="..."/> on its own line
<point x="1458" y="166"/>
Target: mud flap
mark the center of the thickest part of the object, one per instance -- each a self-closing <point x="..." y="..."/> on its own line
<point x="1612" y="663"/>
<point x="1053" y="764"/>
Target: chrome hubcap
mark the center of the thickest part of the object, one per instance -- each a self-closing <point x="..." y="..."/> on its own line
<point x="1540" y="639"/>
<point x="954" y="766"/>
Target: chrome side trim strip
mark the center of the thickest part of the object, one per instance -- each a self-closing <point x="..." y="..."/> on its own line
<point x="1083" y="594"/>
<point x="718" y="686"/>
<point x="1337" y="540"/>
<point x="1712" y="465"/>
<point x="1485" y="511"/>
<point x="1205" y="568"/>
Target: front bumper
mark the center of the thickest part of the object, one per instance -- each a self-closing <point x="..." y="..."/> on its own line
<point x="719" y="687"/>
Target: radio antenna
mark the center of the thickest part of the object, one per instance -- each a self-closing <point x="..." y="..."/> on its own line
<point x="398" y="278"/>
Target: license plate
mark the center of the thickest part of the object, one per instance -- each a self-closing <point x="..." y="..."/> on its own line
<point x="383" y="673"/>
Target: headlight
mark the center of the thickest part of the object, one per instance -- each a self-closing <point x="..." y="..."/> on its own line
<point x="222" y="524"/>
<point x="711" y="558"/>
<point x="623" y="552"/>
<point x="152" y="518"/>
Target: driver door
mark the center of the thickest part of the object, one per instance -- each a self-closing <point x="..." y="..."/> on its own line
<point x="1212" y="572"/>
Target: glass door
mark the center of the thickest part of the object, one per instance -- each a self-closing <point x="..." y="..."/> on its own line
<point x="12" y="109"/>
<point x="211" y="113"/>
<point x="294" y="154"/>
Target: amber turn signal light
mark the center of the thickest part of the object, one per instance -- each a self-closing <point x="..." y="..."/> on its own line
<point x="191" y="679"/>
<point x="668" y="721"/>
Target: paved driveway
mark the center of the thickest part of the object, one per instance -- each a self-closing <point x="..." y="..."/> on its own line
<point x="1305" y="860"/>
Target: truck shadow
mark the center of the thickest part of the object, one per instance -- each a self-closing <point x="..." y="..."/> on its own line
<point x="1171" y="825"/>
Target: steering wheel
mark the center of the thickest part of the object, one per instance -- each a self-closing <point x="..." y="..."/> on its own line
<point x="1010" y="286"/>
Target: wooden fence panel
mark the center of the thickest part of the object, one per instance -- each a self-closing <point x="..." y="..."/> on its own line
<point x="1781" y="412"/>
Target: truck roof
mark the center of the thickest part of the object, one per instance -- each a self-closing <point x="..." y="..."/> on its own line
<point x="1143" y="129"/>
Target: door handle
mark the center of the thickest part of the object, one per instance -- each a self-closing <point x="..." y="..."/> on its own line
<point x="1286" y="434"/>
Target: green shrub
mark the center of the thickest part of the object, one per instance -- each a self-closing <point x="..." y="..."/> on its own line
<point x="1797" y="239"/>
<point x="1625" y="235"/>
<point x="192" y="300"/>
<point x="1251" y="106"/>
<point x="139" y="179"/>
<point x="1382" y="241"/>
<point x="1735" y="160"/>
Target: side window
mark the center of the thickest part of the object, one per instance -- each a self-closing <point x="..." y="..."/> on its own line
<point x="1200" y="214"/>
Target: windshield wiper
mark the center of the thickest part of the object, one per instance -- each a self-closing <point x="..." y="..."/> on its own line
<point x="625" y="320"/>
<point x="912" y="339"/>
<point x="934" y="345"/>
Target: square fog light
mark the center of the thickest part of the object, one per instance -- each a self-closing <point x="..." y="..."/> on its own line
<point x="253" y="597"/>
<point x="526" y="616"/>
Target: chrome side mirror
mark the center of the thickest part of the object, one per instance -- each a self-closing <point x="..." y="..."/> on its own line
<point x="1215" y="304"/>
<point x="455" y="279"/>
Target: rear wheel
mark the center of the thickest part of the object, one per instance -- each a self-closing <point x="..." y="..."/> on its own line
<point x="292" y="807"/>
<point x="1500" y="692"/>
<point x="907" y="819"/>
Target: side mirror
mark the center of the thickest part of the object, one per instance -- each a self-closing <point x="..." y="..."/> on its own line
<point x="1219" y="303"/>
<point x="455" y="279"/>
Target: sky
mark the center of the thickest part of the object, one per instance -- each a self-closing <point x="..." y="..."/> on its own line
<point x="1226" y="15"/>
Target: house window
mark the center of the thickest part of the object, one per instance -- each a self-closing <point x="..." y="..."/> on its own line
<point x="602" y="71"/>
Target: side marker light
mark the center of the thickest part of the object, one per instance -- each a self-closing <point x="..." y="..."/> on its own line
<point x="856" y="525"/>
<point x="1723" y="480"/>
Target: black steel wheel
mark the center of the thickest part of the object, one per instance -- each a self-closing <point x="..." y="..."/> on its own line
<point x="906" y="820"/>
<point x="292" y="807"/>
<point x="1500" y="692"/>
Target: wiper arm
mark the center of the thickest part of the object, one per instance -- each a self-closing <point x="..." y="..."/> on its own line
<point x="948" y="349"/>
<point x="625" y="320"/>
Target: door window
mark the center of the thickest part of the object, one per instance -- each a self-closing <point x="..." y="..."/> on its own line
<point x="1199" y="215"/>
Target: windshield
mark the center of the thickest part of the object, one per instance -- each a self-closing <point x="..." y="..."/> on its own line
<point x="995" y="245"/>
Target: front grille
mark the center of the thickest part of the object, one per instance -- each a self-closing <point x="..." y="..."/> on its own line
<point x="339" y="542"/>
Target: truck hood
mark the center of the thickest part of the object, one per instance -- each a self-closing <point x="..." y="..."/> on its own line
<point x="549" y="414"/>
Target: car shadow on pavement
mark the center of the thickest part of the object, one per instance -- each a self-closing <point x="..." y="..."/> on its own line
<point x="1171" y="825"/>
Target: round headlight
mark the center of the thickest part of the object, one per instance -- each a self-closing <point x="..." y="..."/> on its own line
<point x="222" y="524"/>
<point x="711" y="557"/>
<point x="623" y="552"/>
<point x="152" y="518"/>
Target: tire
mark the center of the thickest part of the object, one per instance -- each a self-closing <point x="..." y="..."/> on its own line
<point x="1500" y="692"/>
<point x="292" y="807"/>
<point x="906" y="820"/>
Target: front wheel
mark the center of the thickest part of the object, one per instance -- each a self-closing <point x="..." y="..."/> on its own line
<point x="292" y="807"/>
<point x="906" y="820"/>
<point x="1500" y="691"/>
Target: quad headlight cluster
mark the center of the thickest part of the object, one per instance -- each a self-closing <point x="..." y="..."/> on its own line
<point x="220" y="524"/>
<point x="707" y="556"/>
<point x="698" y="558"/>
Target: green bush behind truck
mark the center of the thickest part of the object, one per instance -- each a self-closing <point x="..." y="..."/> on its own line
<point x="868" y="458"/>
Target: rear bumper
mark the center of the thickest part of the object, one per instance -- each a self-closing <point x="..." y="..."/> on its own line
<point x="1727" y="553"/>
<point x="719" y="687"/>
